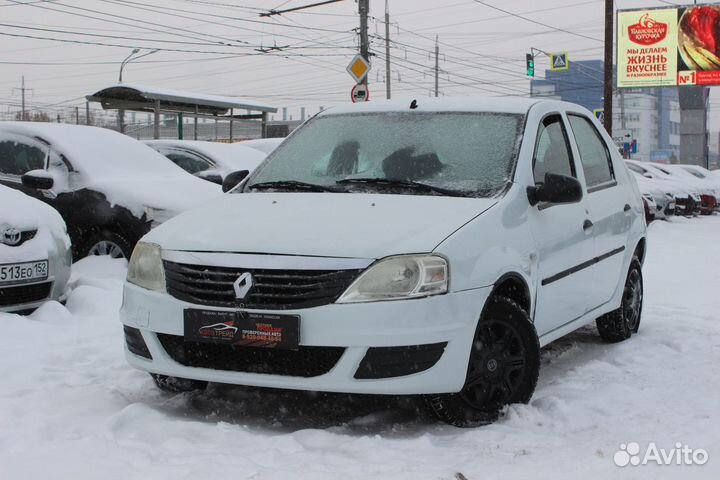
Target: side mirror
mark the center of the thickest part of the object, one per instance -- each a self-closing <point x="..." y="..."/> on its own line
<point x="210" y="175"/>
<point x="39" y="179"/>
<point x="233" y="179"/>
<point x="556" y="189"/>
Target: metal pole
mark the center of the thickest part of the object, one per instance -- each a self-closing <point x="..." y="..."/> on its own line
<point x="180" y="126"/>
<point x="195" y="123"/>
<point x="23" y="98"/>
<point x="87" y="113"/>
<point x="437" y="65"/>
<point x="608" y="77"/>
<point x="121" y="120"/>
<point x="231" y="123"/>
<point x="77" y="115"/>
<point x="363" y="10"/>
<point x="387" y="51"/>
<point x="264" y="125"/>
<point x="156" y="133"/>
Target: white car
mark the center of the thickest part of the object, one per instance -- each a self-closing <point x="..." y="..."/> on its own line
<point x="211" y="161"/>
<point x="35" y="255"/>
<point x="427" y="247"/>
<point x="664" y="201"/>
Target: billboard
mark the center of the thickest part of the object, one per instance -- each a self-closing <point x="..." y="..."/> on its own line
<point x="666" y="47"/>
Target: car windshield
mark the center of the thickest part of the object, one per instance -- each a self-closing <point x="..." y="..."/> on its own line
<point x="442" y="153"/>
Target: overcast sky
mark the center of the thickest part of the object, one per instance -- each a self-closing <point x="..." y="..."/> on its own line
<point x="212" y="46"/>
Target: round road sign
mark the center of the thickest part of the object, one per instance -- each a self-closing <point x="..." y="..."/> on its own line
<point x="360" y="93"/>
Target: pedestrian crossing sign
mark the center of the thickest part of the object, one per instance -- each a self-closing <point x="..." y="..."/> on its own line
<point x="559" y="61"/>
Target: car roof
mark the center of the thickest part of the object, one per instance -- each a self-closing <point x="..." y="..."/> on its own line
<point x="512" y="105"/>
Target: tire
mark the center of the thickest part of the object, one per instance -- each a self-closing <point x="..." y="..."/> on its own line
<point x="503" y="368"/>
<point x="620" y="324"/>
<point x="106" y="242"/>
<point x="176" y="384"/>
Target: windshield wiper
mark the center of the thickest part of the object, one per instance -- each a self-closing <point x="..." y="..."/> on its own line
<point x="420" y="187"/>
<point x="292" y="185"/>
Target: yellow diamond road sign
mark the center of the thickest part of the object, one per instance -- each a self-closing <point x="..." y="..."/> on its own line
<point x="358" y="68"/>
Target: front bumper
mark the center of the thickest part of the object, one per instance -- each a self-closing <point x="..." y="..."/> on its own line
<point x="26" y="297"/>
<point x="449" y="318"/>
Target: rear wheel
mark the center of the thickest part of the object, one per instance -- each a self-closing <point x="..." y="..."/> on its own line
<point x="503" y="368"/>
<point x="620" y="324"/>
<point x="177" y="384"/>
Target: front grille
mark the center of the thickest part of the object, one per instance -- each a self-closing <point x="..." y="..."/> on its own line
<point x="18" y="295"/>
<point x="272" y="289"/>
<point x="304" y="362"/>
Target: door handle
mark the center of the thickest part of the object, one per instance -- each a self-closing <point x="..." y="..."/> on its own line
<point x="587" y="225"/>
<point x="626" y="208"/>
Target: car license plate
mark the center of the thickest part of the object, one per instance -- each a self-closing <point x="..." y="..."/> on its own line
<point x="263" y="330"/>
<point x="23" y="272"/>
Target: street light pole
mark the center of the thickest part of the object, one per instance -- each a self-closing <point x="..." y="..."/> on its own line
<point x="128" y="59"/>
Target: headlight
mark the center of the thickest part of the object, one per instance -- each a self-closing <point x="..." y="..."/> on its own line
<point x="145" y="268"/>
<point x="396" y="278"/>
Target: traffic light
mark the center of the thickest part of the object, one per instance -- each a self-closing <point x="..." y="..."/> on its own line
<point x="530" y="64"/>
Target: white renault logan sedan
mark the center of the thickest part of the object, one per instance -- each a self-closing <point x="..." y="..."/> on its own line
<point x="427" y="247"/>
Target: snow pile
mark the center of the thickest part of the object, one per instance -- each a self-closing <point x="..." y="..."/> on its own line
<point x="71" y="407"/>
<point x="26" y="213"/>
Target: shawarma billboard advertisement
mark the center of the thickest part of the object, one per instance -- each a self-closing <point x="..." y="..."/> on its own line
<point x="666" y="47"/>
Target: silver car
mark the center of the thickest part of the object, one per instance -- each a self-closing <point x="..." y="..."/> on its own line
<point x="35" y="254"/>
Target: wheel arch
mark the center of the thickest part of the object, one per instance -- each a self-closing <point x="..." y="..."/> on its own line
<point x="640" y="250"/>
<point x="513" y="286"/>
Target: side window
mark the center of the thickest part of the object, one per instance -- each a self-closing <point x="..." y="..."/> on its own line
<point x="18" y="158"/>
<point x="552" y="150"/>
<point x="594" y="155"/>
<point x="189" y="162"/>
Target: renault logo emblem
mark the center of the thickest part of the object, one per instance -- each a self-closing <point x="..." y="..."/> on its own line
<point x="11" y="236"/>
<point x="243" y="285"/>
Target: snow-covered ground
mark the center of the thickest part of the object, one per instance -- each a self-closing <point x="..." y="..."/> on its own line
<point x="70" y="407"/>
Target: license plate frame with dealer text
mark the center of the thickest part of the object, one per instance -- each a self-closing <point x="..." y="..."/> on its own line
<point x="242" y="328"/>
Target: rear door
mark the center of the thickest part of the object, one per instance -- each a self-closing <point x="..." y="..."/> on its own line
<point x="609" y="206"/>
<point x="564" y="248"/>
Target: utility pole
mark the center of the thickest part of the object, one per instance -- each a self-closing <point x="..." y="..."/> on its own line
<point x="387" y="51"/>
<point x="87" y="113"/>
<point x="77" y="115"/>
<point x="437" y="65"/>
<point x="363" y="10"/>
<point x="608" y="73"/>
<point x="22" y="92"/>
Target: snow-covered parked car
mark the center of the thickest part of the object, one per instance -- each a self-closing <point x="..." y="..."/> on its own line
<point x="265" y="145"/>
<point x="664" y="201"/>
<point x="35" y="255"/>
<point x="709" y="189"/>
<point x="109" y="188"/>
<point x="687" y="198"/>
<point x="427" y="247"/>
<point x="211" y="161"/>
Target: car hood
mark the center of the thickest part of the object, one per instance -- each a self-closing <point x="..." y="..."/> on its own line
<point x="319" y="224"/>
<point x="172" y="194"/>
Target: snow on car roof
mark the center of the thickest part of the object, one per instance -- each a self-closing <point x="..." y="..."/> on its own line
<point x="97" y="152"/>
<point x="444" y="104"/>
<point x="229" y="156"/>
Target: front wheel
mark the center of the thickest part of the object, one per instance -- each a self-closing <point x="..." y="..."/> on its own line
<point x="620" y="324"/>
<point x="503" y="368"/>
